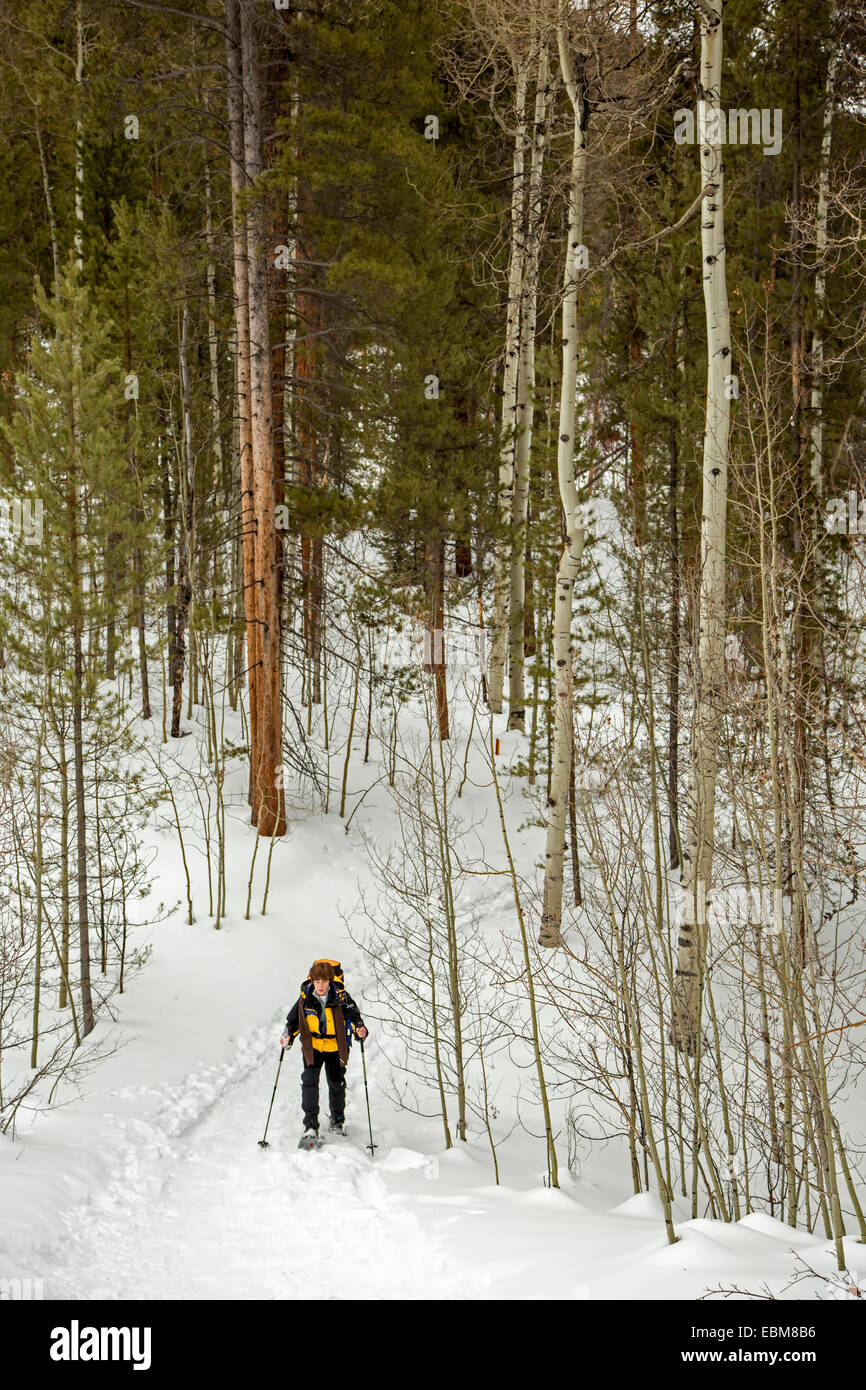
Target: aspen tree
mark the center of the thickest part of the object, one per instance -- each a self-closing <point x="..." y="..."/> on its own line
<point x="563" y="738"/>
<point x="510" y="373"/>
<point x="710" y="672"/>
<point x="525" y="402"/>
<point x="816" y="402"/>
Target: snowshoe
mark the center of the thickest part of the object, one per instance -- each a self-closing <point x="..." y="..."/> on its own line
<point x="336" y="1127"/>
<point x="310" y="1140"/>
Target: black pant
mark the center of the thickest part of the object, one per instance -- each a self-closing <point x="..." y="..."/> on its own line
<point x="336" y="1074"/>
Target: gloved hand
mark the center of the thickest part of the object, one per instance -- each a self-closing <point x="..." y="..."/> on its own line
<point x="286" y="1041"/>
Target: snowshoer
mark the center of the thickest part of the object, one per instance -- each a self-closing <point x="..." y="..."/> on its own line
<point x="326" y="1016"/>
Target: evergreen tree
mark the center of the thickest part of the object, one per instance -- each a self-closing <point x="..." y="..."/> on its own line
<point x="63" y="433"/>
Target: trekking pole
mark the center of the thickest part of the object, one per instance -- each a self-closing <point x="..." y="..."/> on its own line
<point x="263" y="1142"/>
<point x="371" y="1146"/>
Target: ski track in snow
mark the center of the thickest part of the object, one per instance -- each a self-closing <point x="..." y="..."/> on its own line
<point x="194" y="1209"/>
<point x="197" y="1210"/>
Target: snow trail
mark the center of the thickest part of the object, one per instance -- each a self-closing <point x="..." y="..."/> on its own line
<point x="194" y="1209"/>
<point x="198" y="1210"/>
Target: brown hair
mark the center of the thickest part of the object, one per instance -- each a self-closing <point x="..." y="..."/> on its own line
<point x="321" y="970"/>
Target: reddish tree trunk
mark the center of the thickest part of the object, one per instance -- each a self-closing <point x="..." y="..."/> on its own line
<point x="268" y="751"/>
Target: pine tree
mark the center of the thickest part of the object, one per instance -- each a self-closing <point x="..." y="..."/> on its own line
<point x="62" y="433"/>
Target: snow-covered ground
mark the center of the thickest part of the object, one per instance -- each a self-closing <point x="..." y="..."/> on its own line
<point x="148" y="1182"/>
<point x="153" y="1185"/>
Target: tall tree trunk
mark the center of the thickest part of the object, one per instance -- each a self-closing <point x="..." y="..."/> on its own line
<point x="168" y="528"/>
<point x="65" y="908"/>
<point x="308" y="350"/>
<point x="290" y="543"/>
<point x="710" y="674"/>
<point x="637" y="475"/>
<point x="817" y="395"/>
<point x="465" y="413"/>
<point x="218" y="479"/>
<point x="239" y="181"/>
<point x="315" y="608"/>
<point x="530" y="641"/>
<point x="271" y="818"/>
<point x="38" y="865"/>
<point x="279" y="365"/>
<point x="563" y="728"/>
<point x="186" y="495"/>
<point x="237" y="637"/>
<point x="81" y="833"/>
<point x="805" y="677"/>
<point x="675" y="488"/>
<point x="49" y="199"/>
<point x="526" y="401"/>
<point x="110" y="593"/>
<point x="434" y="574"/>
<point x="140" y="607"/>
<point x="78" y="235"/>
<point x="138" y="588"/>
<point x="77" y="616"/>
<point x="674" y="654"/>
<point x="76" y="521"/>
<point x="801" y="675"/>
<point x="577" y="895"/>
<point x="820" y="284"/>
<point x="510" y="371"/>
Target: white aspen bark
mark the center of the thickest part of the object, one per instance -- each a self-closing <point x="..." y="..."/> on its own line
<point x="525" y="401"/>
<point x="502" y="551"/>
<point x="816" y="461"/>
<point x="710" y="672"/>
<point x="563" y="737"/>
<point x="271" y="816"/>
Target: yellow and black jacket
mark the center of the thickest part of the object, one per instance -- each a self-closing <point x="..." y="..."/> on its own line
<point x="331" y="1034"/>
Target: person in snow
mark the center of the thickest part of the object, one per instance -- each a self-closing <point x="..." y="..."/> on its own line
<point x="325" y="1021"/>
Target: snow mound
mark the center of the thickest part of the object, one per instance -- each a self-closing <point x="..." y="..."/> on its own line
<point x="696" y="1250"/>
<point x="778" y="1230"/>
<point x="644" y="1205"/>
